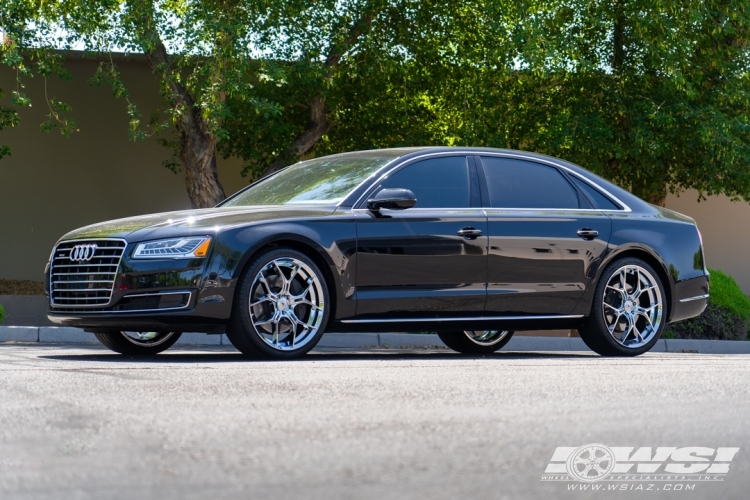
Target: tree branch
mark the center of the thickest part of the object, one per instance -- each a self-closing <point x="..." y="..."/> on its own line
<point x="317" y="124"/>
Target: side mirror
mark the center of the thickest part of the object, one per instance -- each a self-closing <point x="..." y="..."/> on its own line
<point x="394" y="199"/>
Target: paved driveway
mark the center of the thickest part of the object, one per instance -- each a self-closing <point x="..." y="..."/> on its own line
<point x="81" y="423"/>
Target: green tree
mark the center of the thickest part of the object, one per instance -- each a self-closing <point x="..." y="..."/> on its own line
<point x="652" y="94"/>
<point x="316" y="42"/>
<point x="359" y="75"/>
<point x="200" y="53"/>
<point x="14" y="35"/>
<point x="8" y="118"/>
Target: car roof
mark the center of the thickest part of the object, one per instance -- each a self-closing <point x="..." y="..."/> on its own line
<point x="420" y="150"/>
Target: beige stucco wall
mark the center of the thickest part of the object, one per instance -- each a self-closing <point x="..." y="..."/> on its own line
<point x="51" y="184"/>
<point x="725" y="226"/>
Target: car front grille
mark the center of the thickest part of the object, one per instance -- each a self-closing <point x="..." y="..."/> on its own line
<point x="76" y="284"/>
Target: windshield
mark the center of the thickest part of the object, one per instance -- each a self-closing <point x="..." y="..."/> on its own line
<point x="324" y="180"/>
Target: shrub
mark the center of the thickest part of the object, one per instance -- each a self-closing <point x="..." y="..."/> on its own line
<point x="726" y="293"/>
<point x="2" y="314"/>
<point x="726" y="317"/>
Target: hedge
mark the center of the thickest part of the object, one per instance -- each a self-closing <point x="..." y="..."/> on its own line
<point x="2" y="314"/>
<point x="727" y="316"/>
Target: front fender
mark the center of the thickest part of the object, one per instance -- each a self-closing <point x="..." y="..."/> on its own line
<point x="330" y="242"/>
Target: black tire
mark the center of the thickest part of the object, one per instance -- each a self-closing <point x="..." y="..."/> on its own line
<point x="124" y="344"/>
<point x="462" y="342"/>
<point x="250" y="338"/>
<point x="595" y="332"/>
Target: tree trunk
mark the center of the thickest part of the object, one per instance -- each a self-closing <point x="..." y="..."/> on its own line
<point x="649" y="190"/>
<point x="198" y="157"/>
<point x="316" y="128"/>
<point x="197" y="143"/>
<point x="652" y="193"/>
<point x="317" y="124"/>
<point x="658" y="199"/>
<point x="618" y="39"/>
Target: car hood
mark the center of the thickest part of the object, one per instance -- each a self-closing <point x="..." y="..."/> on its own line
<point x="188" y="222"/>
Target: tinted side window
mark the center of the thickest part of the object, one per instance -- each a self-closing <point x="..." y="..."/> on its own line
<point x="524" y="184"/>
<point x="438" y="183"/>
<point x="600" y="201"/>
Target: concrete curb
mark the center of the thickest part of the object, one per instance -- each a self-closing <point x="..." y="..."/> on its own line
<point x="67" y="335"/>
<point x="19" y="333"/>
<point x="53" y="334"/>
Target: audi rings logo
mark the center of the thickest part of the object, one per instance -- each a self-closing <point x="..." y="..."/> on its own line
<point x="83" y="253"/>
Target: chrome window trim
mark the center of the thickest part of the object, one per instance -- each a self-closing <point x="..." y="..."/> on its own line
<point x="697" y="297"/>
<point x="625" y="207"/>
<point x="487" y="209"/>
<point x="476" y="318"/>
<point x="186" y="306"/>
<point x="117" y="267"/>
<point x="384" y="176"/>
<point x="387" y="165"/>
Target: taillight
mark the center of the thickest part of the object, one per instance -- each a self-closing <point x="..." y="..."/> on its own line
<point x="703" y="252"/>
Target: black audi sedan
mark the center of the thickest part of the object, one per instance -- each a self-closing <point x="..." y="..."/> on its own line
<point x="471" y="243"/>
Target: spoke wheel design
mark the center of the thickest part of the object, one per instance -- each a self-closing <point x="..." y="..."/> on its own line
<point x="286" y="304"/>
<point x="147" y="339"/>
<point x="486" y="337"/>
<point x="593" y="462"/>
<point x="632" y="306"/>
<point x="476" y="341"/>
<point x="138" y="343"/>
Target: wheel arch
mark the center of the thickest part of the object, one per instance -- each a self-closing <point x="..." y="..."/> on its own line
<point x="651" y="258"/>
<point x="303" y="245"/>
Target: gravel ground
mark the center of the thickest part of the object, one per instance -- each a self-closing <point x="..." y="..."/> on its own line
<point x="82" y="423"/>
<point x="21" y="287"/>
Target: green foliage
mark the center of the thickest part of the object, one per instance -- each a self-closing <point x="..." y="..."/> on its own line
<point x="2" y="314"/>
<point x="200" y="52"/>
<point x="727" y="316"/>
<point x="716" y="323"/>
<point x="24" y="28"/>
<point x="8" y="118"/>
<point x="726" y="293"/>
<point x="652" y="94"/>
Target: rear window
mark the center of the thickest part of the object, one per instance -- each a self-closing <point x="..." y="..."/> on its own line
<point x="598" y="199"/>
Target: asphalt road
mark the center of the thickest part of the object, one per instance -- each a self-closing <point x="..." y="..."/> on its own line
<point x="81" y="423"/>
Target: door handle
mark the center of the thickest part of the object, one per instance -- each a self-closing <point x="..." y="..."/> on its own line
<point x="587" y="233"/>
<point x="470" y="233"/>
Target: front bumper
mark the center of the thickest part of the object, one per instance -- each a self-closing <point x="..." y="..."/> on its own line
<point x="187" y="321"/>
<point x="156" y="295"/>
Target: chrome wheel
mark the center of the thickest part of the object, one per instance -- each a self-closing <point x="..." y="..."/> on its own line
<point x="486" y="337"/>
<point x="147" y="339"/>
<point x="286" y="304"/>
<point x="632" y="306"/>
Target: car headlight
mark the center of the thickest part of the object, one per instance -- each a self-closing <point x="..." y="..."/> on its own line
<point x="176" y="248"/>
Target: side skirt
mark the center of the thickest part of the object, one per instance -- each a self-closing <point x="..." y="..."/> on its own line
<point x="516" y="323"/>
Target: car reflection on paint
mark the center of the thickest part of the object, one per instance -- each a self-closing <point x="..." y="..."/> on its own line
<point x="471" y="243"/>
